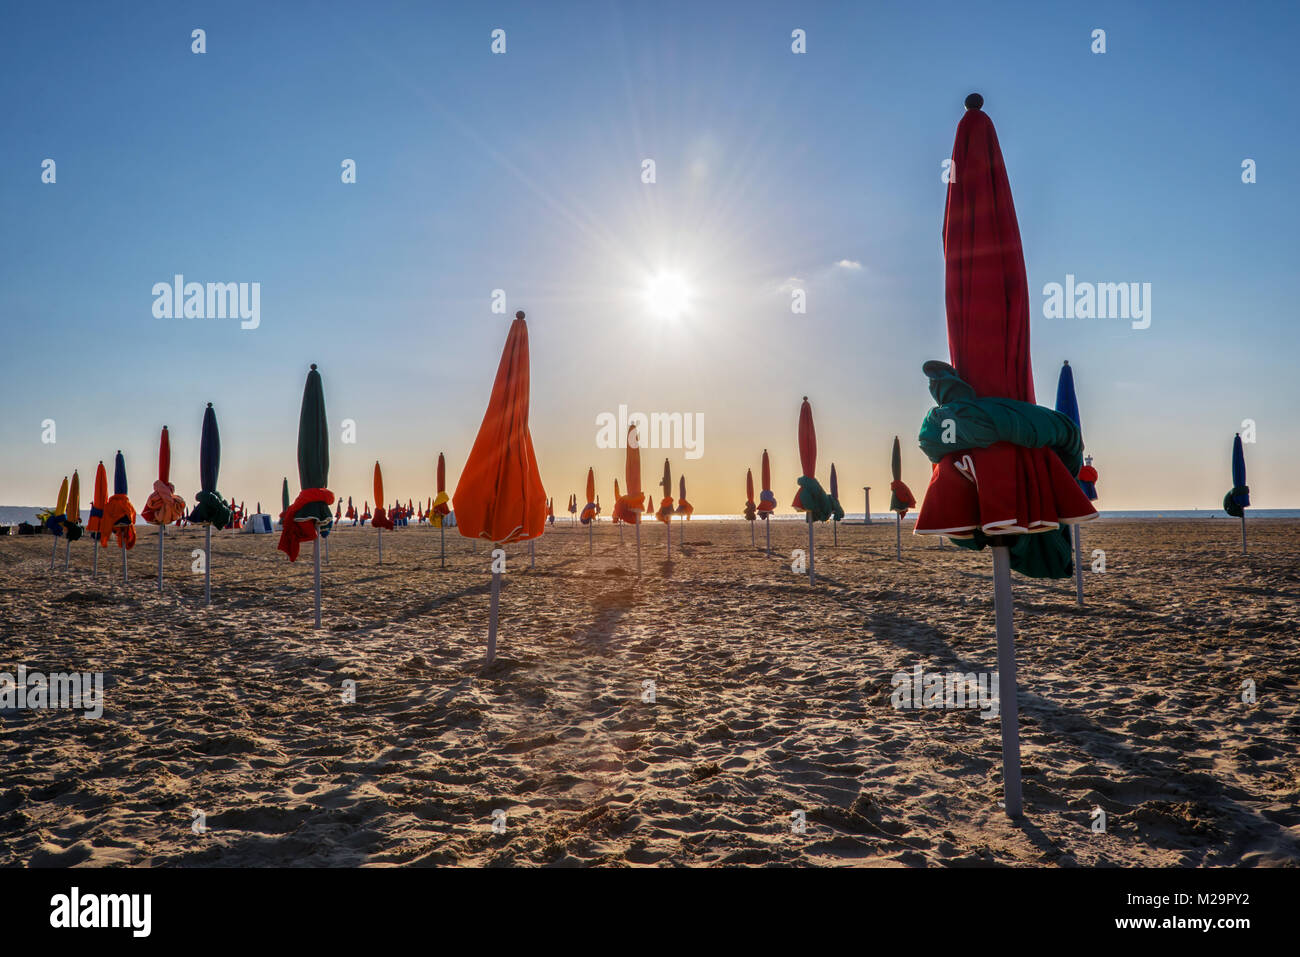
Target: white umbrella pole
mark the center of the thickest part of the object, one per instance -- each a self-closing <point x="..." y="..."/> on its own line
<point x="1007" y="680"/>
<point x="1243" y="533"/>
<point x="121" y="546"/>
<point x="767" y="531"/>
<point x="835" y="531"/>
<point x="620" y="533"/>
<point x="162" y="530"/>
<point x="442" y="545"/>
<point x="751" y="534"/>
<point x="381" y="546"/>
<point x="668" y="529"/>
<point x="54" y="550"/>
<point x="207" y="565"/>
<point x="94" y="564"/>
<point x="492" y="617"/>
<point x="532" y="555"/>
<point x="327" y="549"/>
<point x="898" y="535"/>
<point x="1078" y="564"/>
<point x="316" y="576"/>
<point x="590" y="525"/>
<point x="638" y="547"/>
<point x="812" y="577"/>
<point x="67" y="553"/>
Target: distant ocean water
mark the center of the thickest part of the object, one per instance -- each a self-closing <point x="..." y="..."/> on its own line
<point x="13" y="514"/>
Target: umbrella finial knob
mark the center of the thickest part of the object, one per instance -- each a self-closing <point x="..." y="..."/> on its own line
<point x="519" y="314"/>
<point x="805" y="398"/>
<point x="974" y="101"/>
<point x="313" y="367"/>
<point x="1067" y="362"/>
<point x="209" y="405"/>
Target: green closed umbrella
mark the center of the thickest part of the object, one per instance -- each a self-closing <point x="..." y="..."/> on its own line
<point x="314" y="447"/>
<point x="304" y="518"/>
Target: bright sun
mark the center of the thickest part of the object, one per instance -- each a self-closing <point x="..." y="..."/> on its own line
<point x="667" y="295"/>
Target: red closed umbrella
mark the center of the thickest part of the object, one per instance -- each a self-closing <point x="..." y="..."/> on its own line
<point x="994" y="488"/>
<point x="1002" y="488"/>
<point x="500" y="495"/>
<point x="163" y="506"/>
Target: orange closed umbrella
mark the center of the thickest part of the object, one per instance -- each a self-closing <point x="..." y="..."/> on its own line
<point x="381" y="520"/>
<point x="750" y="508"/>
<point x="628" y="508"/>
<point x="588" y="512"/>
<point x="500" y="495"/>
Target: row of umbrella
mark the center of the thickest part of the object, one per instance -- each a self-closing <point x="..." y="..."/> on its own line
<point x="1012" y="479"/>
<point x="115" y="517"/>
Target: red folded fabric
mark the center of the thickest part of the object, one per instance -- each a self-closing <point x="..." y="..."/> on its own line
<point x="904" y="494"/>
<point x="292" y="532"/>
<point x="1087" y="474"/>
<point x="1013" y="490"/>
<point x="381" y="520"/>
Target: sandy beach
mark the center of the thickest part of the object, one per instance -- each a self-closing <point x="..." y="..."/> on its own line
<point x="770" y="697"/>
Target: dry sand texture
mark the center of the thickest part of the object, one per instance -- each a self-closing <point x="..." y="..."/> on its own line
<point x="771" y="697"/>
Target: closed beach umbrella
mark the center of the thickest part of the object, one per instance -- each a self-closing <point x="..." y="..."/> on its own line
<point x="439" y="510"/>
<point x="900" y="496"/>
<point x="684" y="508"/>
<point x="628" y="508"/>
<point x="589" y="510"/>
<point x="54" y="519"/>
<point x="665" y="513"/>
<point x="766" y="500"/>
<point x="811" y="499"/>
<point x="1237" y="501"/>
<point x="986" y="424"/>
<point x="72" y="517"/>
<point x="380" y="520"/>
<point x="836" y="511"/>
<point x="284" y="499"/>
<point x="751" y="509"/>
<point x="1067" y="403"/>
<point x="210" y="509"/>
<point x="163" y="506"/>
<point x="94" y="524"/>
<point x="500" y="496"/>
<point x="311" y="508"/>
<point x="119" y="514"/>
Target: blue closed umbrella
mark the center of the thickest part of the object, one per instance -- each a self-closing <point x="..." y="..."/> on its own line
<point x="209" y="451"/>
<point x="1068" y="404"/>
<point x="1237" y="501"/>
<point x="119" y="475"/>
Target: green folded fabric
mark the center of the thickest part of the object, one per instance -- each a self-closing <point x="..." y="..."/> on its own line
<point x="1230" y="501"/>
<point x="816" y="502"/>
<point x="981" y="422"/>
<point x="211" y="509"/>
<point x="978" y="423"/>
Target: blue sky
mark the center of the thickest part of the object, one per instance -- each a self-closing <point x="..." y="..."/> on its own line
<point x="522" y="172"/>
